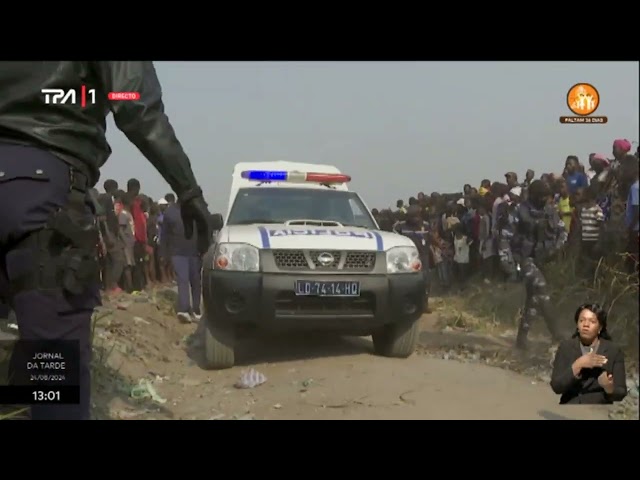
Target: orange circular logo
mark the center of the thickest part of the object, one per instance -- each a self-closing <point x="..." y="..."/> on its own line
<point x="583" y="99"/>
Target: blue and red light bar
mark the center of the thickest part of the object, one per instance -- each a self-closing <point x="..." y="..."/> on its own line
<point x="294" y="177"/>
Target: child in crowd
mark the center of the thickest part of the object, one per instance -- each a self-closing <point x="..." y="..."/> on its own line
<point x="461" y="244"/>
<point x="563" y="203"/>
<point x="591" y="218"/>
<point x="442" y="268"/>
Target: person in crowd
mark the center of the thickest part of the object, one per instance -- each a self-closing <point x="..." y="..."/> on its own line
<point x="122" y="206"/>
<point x="419" y="231"/>
<point x="187" y="264"/>
<point x="589" y="368"/>
<point x="466" y="190"/>
<point x="136" y="210"/>
<point x="615" y="192"/>
<point x="591" y="218"/>
<point x="563" y="203"/>
<point x="539" y="235"/>
<point x="170" y="198"/>
<point x="152" y="241"/>
<point x="504" y="225"/>
<point x="471" y="222"/>
<point x="487" y="243"/>
<point x="598" y="162"/>
<point x="386" y="220"/>
<point x="546" y="178"/>
<point x="163" y="274"/>
<point x="115" y="258"/>
<point x="485" y="187"/>
<point x="461" y="256"/>
<point x="499" y="193"/>
<point x="441" y="268"/>
<point x="575" y="178"/>
<point x="529" y="176"/>
<point x="511" y="179"/>
<point x="621" y="147"/>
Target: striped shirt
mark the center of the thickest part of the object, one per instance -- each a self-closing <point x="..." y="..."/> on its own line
<point x="591" y="219"/>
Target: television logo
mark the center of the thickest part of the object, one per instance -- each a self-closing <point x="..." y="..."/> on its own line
<point x="583" y="99"/>
<point x="60" y="96"/>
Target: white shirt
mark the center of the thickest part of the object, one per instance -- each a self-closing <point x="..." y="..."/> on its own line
<point x="461" y="254"/>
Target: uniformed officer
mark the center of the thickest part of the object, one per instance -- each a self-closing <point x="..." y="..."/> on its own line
<point x="539" y="235"/>
<point x="50" y="156"/>
<point x="419" y="231"/>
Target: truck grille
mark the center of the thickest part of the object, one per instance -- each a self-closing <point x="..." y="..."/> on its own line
<point x="309" y="260"/>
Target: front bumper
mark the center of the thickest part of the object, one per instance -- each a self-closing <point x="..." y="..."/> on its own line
<point x="268" y="300"/>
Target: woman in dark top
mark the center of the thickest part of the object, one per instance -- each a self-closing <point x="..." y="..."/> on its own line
<point x="589" y="367"/>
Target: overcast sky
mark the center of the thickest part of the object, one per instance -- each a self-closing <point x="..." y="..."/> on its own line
<point x="397" y="127"/>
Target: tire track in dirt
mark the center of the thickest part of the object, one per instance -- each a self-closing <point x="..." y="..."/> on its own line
<point x="308" y="377"/>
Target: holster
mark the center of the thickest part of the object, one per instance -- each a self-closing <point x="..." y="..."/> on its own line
<point x="67" y="246"/>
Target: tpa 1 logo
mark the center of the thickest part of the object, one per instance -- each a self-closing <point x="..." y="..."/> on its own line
<point x="583" y="99"/>
<point x="60" y="96"/>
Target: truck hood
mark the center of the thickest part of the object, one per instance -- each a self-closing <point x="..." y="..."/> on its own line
<point x="305" y="237"/>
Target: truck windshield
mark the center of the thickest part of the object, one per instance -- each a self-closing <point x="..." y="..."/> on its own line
<point x="279" y="205"/>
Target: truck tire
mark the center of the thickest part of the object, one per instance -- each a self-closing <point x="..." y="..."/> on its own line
<point x="397" y="340"/>
<point x="219" y="346"/>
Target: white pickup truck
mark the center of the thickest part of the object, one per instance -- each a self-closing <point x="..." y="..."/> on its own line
<point x="298" y="251"/>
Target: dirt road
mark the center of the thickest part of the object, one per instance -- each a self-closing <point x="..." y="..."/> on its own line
<point x="315" y="377"/>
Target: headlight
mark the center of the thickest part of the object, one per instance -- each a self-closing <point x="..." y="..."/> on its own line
<point x="403" y="260"/>
<point x="237" y="257"/>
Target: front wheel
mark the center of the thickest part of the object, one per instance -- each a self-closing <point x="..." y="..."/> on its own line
<point x="397" y="340"/>
<point x="219" y="345"/>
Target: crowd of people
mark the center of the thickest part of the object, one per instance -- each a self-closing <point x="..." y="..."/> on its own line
<point x="143" y="244"/>
<point x="504" y="230"/>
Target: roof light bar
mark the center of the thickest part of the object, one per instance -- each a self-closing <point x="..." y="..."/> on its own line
<point x="294" y="177"/>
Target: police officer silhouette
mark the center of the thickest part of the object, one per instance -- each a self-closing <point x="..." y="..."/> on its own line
<point x="50" y="157"/>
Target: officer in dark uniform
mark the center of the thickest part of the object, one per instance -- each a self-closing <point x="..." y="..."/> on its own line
<point x="50" y="156"/>
<point x="419" y="231"/>
<point x="539" y="235"/>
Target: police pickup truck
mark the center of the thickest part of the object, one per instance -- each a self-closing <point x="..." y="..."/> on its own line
<point x="298" y="251"/>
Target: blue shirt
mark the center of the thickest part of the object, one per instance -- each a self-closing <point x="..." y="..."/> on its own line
<point x="632" y="201"/>
<point x="575" y="181"/>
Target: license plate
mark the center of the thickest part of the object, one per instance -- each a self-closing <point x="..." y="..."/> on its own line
<point x="327" y="289"/>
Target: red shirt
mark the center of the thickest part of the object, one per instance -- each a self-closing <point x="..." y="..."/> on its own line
<point x="139" y="221"/>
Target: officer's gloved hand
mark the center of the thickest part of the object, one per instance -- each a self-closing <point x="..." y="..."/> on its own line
<point x="195" y="211"/>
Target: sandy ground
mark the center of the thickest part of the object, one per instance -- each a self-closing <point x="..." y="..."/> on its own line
<point x="312" y="377"/>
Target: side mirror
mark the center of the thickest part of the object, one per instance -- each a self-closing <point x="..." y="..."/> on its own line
<point x="217" y="222"/>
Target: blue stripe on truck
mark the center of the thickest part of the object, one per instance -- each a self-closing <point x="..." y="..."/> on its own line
<point x="264" y="235"/>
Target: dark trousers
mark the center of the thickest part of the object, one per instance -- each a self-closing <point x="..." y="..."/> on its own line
<point x="114" y="266"/>
<point x="34" y="184"/>
<point x="537" y="302"/>
<point x="462" y="271"/>
<point x="189" y="279"/>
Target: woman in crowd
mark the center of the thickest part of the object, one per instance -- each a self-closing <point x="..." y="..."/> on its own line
<point x="589" y="368"/>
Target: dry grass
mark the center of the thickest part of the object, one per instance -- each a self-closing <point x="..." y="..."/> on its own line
<point x="497" y="306"/>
